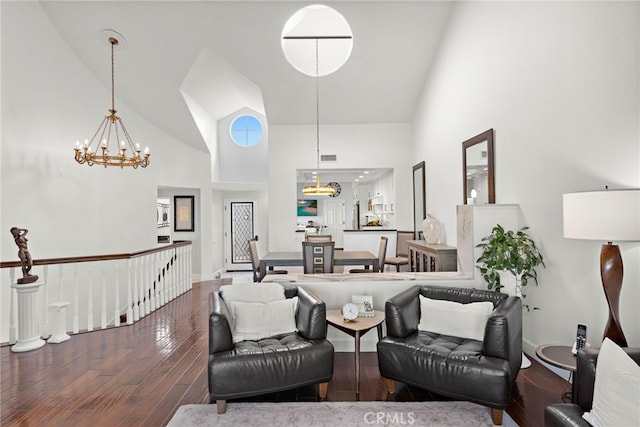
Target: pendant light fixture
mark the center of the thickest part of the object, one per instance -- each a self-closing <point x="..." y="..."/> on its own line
<point x="303" y="32"/>
<point x="111" y="144"/>
<point x="318" y="190"/>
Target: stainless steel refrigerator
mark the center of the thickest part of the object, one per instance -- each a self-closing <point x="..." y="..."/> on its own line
<point x="356" y="216"/>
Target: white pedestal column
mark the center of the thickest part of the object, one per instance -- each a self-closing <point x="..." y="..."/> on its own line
<point x="28" y="328"/>
<point x="58" y="312"/>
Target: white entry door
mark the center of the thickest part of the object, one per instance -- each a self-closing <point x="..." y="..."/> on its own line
<point x="333" y="219"/>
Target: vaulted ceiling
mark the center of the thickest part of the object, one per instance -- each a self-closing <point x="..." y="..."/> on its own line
<point x="395" y="43"/>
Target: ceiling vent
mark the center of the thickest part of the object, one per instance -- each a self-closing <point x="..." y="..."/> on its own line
<point x="329" y="158"/>
<point x="483" y="154"/>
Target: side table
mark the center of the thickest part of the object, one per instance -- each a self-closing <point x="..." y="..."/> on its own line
<point x="356" y="329"/>
<point x="561" y="357"/>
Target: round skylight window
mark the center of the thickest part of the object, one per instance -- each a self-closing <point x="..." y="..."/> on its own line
<point x="317" y="24"/>
<point x="246" y="131"/>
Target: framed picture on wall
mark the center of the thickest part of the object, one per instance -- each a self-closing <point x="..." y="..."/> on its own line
<point x="183" y="213"/>
<point x="307" y="207"/>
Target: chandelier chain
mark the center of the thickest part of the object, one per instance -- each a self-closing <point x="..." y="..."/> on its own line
<point x="113" y="42"/>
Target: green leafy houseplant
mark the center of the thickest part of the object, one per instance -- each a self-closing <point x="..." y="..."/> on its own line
<point x="506" y="250"/>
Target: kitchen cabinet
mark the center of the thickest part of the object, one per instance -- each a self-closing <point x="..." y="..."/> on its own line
<point x="377" y="201"/>
<point x="380" y="211"/>
<point x="375" y="205"/>
<point x="428" y="258"/>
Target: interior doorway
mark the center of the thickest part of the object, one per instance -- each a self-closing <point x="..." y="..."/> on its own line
<point x="333" y="218"/>
<point x="163" y="217"/>
<point x="240" y="227"/>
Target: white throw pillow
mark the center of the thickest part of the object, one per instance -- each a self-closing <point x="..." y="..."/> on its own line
<point x="453" y="318"/>
<point x="616" y="392"/>
<point x="256" y="320"/>
<point x="252" y="292"/>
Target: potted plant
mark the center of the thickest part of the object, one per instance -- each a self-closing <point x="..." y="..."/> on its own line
<point x="515" y="252"/>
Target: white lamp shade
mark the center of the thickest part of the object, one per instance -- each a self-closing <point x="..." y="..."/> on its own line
<point x="611" y="215"/>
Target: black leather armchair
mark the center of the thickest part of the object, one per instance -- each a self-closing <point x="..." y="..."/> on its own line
<point x="250" y="368"/>
<point x="483" y="372"/>
<point x="570" y="414"/>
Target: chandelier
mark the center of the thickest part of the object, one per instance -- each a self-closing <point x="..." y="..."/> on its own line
<point x="318" y="190"/>
<point x="111" y="144"/>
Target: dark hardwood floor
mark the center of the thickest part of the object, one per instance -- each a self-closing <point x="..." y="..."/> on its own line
<point x="139" y="375"/>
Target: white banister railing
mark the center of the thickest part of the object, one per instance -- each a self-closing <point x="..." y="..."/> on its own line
<point x="97" y="291"/>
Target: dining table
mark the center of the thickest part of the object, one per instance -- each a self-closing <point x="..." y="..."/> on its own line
<point x="294" y="258"/>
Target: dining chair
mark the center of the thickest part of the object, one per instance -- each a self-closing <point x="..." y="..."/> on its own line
<point x="318" y="257"/>
<point x="255" y="262"/>
<point x="382" y="253"/>
<point x="317" y="238"/>
<point x="402" y="249"/>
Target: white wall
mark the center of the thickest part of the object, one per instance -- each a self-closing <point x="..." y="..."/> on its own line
<point x="356" y="146"/>
<point x="238" y="163"/>
<point x="559" y="83"/>
<point x="49" y="101"/>
<point x="217" y="232"/>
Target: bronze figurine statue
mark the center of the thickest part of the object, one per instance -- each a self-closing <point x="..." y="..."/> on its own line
<point x="20" y="237"/>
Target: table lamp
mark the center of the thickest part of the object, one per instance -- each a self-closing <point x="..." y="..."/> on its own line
<point x="610" y="215"/>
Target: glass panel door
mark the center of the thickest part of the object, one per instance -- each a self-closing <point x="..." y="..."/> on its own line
<point x="241" y="231"/>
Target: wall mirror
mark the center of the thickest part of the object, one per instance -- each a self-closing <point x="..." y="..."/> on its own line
<point x="478" y="169"/>
<point x="419" y="199"/>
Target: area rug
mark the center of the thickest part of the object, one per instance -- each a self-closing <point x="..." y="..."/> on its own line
<point x="338" y="414"/>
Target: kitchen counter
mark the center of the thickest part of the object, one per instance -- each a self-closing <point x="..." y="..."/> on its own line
<point x="310" y="230"/>
<point x="371" y="228"/>
<point x="368" y="239"/>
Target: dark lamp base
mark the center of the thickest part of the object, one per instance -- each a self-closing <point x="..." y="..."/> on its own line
<point x="611" y="273"/>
